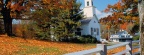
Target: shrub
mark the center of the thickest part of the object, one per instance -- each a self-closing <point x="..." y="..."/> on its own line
<point x="80" y="39"/>
<point x="136" y="37"/>
<point x="87" y="39"/>
<point x="43" y="36"/>
<point x="23" y="30"/>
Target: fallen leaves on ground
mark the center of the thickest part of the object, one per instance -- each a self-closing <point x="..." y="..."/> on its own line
<point x="19" y="46"/>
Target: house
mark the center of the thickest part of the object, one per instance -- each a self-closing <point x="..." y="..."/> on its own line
<point x="121" y="36"/>
<point x="90" y="24"/>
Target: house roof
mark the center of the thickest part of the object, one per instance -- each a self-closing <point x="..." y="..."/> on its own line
<point x="96" y="17"/>
<point x="121" y="32"/>
<point x="86" y="20"/>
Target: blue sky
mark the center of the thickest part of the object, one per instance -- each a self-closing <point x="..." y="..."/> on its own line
<point x="100" y="6"/>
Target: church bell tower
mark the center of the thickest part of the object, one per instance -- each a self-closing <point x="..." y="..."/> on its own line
<point x="89" y="9"/>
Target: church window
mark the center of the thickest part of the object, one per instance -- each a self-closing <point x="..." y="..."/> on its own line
<point x="97" y="31"/>
<point x="91" y="31"/>
<point x="87" y="3"/>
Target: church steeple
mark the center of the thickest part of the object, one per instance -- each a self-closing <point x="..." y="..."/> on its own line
<point x="89" y="9"/>
<point x="88" y="3"/>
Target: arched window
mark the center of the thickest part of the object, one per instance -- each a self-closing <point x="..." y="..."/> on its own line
<point x="87" y="3"/>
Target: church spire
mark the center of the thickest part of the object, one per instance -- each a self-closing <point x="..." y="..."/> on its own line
<point x="89" y="10"/>
<point x="88" y="3"/>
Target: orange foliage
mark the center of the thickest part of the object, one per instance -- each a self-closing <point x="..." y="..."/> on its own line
<point x="107" y="10"/>
<point x="108" y="27"/>
<point x="64" y="4"/>
<point x="118" y="5"/>
<point x="124" y="11"/>
<point x="11" y="46"/>
<point x="17" y="7"/>
<point x="124" y="26"/>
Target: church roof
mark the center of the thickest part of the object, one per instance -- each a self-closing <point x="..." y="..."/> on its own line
<point x="86" y="21"/>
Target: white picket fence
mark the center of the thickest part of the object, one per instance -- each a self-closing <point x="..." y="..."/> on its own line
<point x="102" y="49"/>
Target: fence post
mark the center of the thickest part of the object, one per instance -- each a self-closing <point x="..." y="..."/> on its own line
<point x="104" y="49"/>
<point x="129" y="47"/>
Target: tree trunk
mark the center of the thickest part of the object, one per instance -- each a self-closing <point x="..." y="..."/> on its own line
<point x="141" y="16"/>
<point x="8" y="26"/>
<point x="7" y="21"/>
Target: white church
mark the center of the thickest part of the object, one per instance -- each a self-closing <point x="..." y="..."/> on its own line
<point x="90" y="24"/>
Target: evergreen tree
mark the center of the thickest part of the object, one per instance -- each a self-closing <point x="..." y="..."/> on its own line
<point x="68" y="20"/>
<point x="58" y="18"/>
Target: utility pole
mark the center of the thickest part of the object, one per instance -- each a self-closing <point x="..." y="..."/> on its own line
<point x="141" y="16"/>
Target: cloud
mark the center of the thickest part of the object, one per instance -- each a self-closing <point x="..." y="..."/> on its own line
<point x="102" y="14"/>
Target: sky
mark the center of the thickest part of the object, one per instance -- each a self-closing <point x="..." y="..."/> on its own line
<point x="100" y="6"/>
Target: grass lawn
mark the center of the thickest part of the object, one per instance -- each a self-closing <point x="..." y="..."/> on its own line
<point x="19" y="46"/>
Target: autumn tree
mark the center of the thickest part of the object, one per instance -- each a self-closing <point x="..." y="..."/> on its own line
<point x="124" y="11"/>
<point x="14" y="9"/>
<point x="68" y="20"/>
<point x="57" y="18"/>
